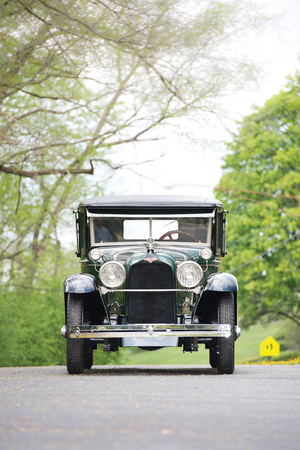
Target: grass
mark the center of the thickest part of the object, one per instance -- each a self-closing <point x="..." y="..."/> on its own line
<point x="247" y="351"/>
<point x="248" y="345"/>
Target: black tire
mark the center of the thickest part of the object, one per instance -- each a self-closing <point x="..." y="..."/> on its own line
<point x="88" y="359"/>
<point x="75" y="355"/>
<point x="213" y="357"/>
<point x="225" y="348"/>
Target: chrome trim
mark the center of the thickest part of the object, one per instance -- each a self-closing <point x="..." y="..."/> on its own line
<point x="141" y="244"/>
<point x="63" y="331"/>
<point x="150" y="330"/>
<point x="237" y="332"/>
<point x="105" y="290"/>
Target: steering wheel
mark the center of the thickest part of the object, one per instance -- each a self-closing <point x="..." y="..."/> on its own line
<point x="168" y="233"/>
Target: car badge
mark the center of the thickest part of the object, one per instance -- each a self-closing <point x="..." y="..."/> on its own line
<point x="150" y="257"/>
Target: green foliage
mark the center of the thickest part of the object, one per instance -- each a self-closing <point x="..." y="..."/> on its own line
<point x="34" y="260"/>
<point x="289" y="336"/>
<point x="77" y="80"/>
<point x="31" y="314"/>
<point x="31" y="317"/>
<point x="260" y="185"/>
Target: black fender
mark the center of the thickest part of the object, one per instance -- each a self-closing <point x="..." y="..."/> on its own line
<point x="222" y="282"/>
<point x="84" y="283"/>
<point x="80" y="283"/>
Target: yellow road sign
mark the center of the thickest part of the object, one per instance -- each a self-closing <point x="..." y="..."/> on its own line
<point x="269" y="347"/>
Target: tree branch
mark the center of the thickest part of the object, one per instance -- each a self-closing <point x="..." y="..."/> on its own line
<point x="35" y="173"/>
<point x="288" y="316"/>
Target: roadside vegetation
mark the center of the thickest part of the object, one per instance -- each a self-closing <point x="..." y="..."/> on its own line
<point x="247" y="350"/>
<point x="80" y="80"/>
<point x="260" y="186"/>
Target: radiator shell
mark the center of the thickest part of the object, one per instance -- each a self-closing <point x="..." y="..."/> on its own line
<point x="150" y="307"/>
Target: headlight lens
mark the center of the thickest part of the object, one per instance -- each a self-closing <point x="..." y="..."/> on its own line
<point x="189" y="274"/>
<point x="96" y="254"/>
<point x="112" y="274"/>
<point x="206" y="253"/>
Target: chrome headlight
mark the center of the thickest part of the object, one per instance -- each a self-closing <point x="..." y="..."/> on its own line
<point x="112" y="274"/>
<point x="96" y="254"/>
<point x="206" y="253"/>
<point x="189" y="274"/>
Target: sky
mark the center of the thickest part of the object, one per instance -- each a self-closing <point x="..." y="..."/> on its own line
<point x="194" y="168"/>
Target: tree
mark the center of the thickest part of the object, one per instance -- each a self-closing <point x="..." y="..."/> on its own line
<point x="260" y="185"/>
<point x="80" y="79"/>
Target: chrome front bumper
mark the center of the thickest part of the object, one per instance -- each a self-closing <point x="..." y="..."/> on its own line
<point x="147" y="331"/>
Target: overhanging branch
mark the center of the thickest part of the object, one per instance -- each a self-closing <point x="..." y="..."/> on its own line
<point x="36" y="173"/>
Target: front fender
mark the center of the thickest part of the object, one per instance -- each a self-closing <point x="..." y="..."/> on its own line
<point x="80" y="283"/>
<point x="221" y="282"/>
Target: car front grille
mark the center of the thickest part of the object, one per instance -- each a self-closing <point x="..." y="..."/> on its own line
<point x="150" y="307"/>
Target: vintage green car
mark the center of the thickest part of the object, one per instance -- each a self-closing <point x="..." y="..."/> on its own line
<point x="150" y="278"/>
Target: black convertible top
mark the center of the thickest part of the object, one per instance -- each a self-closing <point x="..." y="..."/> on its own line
<point x="150" y="201"/>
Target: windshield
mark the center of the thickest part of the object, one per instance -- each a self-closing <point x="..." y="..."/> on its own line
<point x="119" y="229"/>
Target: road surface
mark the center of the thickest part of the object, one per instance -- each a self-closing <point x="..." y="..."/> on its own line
<point x="150" y="407"/>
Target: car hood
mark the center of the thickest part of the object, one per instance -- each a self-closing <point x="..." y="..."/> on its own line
<point x="170" y="256"/>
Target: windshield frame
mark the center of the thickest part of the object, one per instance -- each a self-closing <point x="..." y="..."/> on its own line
<point x="168" y="242"/>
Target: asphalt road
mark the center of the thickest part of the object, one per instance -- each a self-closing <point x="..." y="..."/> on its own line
<point x="150" y="407"/>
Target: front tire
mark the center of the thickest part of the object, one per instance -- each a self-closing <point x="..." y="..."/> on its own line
<point x="75" y="355"/>
<point x="213" y="357"/>
<point x="88" y="359"/>
<point x="225" y="347"/>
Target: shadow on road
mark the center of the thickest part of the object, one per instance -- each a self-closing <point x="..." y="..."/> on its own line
<point x="142" y="371"/>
